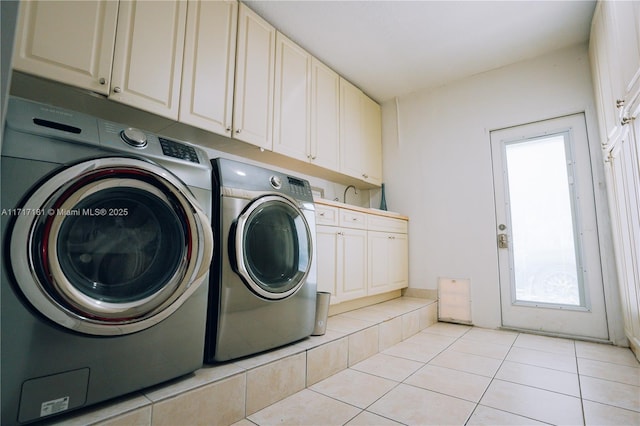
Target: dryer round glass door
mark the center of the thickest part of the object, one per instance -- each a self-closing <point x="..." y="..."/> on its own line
<point x="273" y="247"/>
<point x="116" y="245"/>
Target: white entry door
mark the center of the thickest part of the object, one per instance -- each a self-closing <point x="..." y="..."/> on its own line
<point x="547" y="236"/>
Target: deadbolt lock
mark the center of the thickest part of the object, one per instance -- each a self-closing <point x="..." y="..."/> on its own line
<point x="503" y="242"/>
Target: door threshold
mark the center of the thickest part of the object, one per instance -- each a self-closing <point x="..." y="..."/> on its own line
<point x="558" y="335"/>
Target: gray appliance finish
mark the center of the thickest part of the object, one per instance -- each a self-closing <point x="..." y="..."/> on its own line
<point x="106" y="254"/>
<point x="263" y="276"/>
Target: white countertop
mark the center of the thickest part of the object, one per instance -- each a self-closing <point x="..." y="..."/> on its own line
<point x="360" y="209"/>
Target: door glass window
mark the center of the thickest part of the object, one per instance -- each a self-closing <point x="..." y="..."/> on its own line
<point x="545" y="249"/>
<point x="121" y="245"/>
<point x="276" y="247"/>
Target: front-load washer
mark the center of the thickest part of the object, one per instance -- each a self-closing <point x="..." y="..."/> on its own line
<point x="106" y="253"/>
<point x="263" y="277"/>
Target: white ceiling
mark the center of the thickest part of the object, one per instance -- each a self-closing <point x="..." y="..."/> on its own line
<point x="391" y="48"/>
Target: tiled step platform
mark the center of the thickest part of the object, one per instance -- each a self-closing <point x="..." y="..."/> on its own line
<point x="226" y="393"/>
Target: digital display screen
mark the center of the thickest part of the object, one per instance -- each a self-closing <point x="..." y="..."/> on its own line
<point x="296" y="182"/>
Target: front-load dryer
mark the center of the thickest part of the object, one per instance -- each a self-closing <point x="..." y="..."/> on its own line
<point x="263" y="279"/>
<point x="106" y="253"/>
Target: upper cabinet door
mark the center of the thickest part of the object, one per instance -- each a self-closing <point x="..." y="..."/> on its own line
<point x="325" y="116"/>
<point x="147" y="64"/>
<point x="291" y="114"/>
<point x="67" y="41"/>
<point x="372" y="133"/>
<point x="351" y="141"/>
<point x="605" y="69"/>
<point x="360" y="135"/>
<point x="206" y="99"/>
<point x="626" y="25"/>
<point x="255" y="59"/>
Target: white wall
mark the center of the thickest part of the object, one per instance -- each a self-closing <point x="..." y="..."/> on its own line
<point x="437" y="164"/>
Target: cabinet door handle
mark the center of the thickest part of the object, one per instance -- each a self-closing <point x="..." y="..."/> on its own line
<point x="102" y="81"/>
<point x="619" y="103"/>
<point x="117" y="90"/>
<point x="366" y="176"/>
<point x="228" y="129"/>
<point x="321" y="214"/>
<point x="626" y="120"/>
<point x="238" y="131"/>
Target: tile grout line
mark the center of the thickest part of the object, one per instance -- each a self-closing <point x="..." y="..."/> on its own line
<point x="348" y="360"/>
<point x="493" y="377"/>
<point x="397" y="383"/>
<point x="575" y="353"/>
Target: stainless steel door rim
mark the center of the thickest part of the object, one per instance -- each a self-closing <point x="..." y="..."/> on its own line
<point x="35" y="236"/>
<point x="242" y="266"/>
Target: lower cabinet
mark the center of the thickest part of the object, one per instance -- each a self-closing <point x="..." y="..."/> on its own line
<point x="388" y="261"/>
<point x="355" y="258"/>
<point x="342" y="262"/>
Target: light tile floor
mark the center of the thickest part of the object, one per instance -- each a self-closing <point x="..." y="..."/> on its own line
<point x="458" y="375"/>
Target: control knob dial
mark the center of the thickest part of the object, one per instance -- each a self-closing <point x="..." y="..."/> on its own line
<point x="134" y="137"/>
<point x="276" y="182"/>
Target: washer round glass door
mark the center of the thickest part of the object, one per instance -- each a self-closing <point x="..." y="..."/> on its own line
<point x="273" y="247"/>
<point x="114" y="245"/>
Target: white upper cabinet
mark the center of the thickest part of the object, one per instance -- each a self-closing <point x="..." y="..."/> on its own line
<point x="147" y="65"/>
<point x="601" y="66"/>
<point x="360" y="135"/>
<point x="292" y="111"/>
<point x="255" y="67"/>
<point x="626" y="20"/>
<point x="130" y="50"/>
<point x="372" y="144"/>
<point x="615" y="60"/>
<point x="214" y="65"/>
<point x="325" y="116"/>
<point x="70" y="42"/>
<point x="206" y="99"/>
<point x="351" y="141"/>
<point x="307" y="106"/>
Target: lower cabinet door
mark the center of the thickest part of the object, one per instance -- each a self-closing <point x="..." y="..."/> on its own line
<point x="387" y="262"/>
<point x="326" y="261"/>
<point x="352" y="264"/>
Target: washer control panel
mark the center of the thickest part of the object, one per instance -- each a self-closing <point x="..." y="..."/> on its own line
<point x="178" y="150"/>
<point x="112" y="135"/>
<point x="298" y="187"/>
